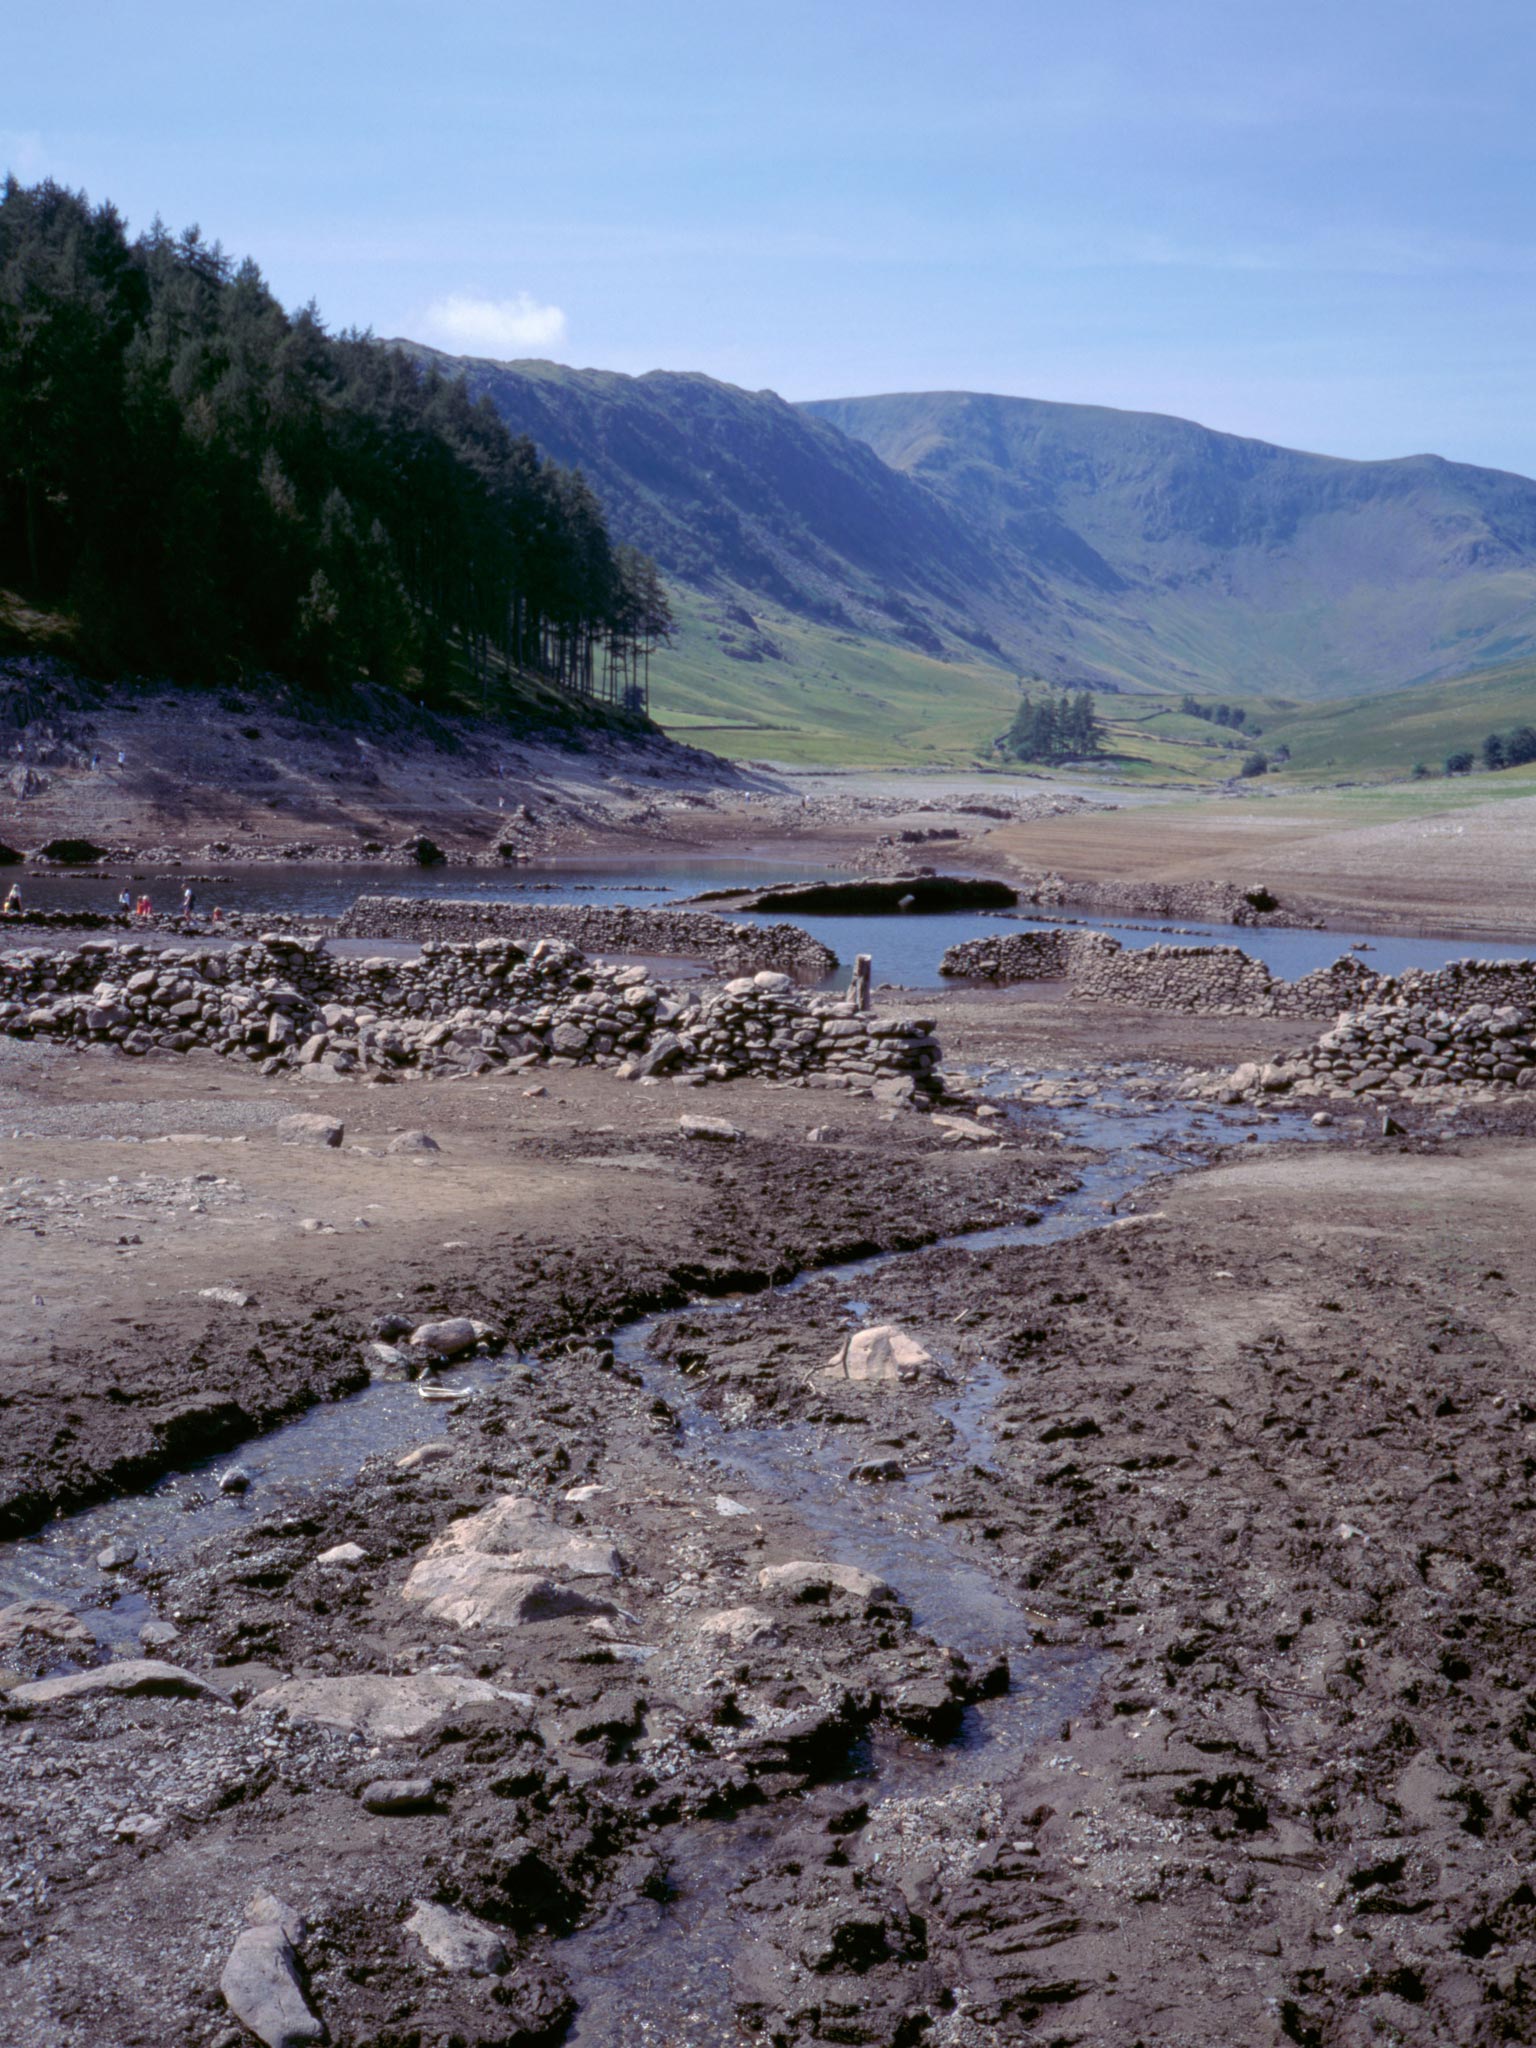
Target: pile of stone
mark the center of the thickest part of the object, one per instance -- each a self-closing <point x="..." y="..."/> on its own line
<point x="289" y="1003"/>
<point x="612" y="927"/>
<point x="1396" y="1046"/>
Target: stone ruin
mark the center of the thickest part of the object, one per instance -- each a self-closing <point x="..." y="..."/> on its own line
<point x="288" y="1003"/>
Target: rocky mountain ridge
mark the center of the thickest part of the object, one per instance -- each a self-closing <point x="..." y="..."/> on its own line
<point x="1072" y="542"/>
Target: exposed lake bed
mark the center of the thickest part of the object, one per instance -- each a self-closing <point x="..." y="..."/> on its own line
<point x="1095" y="1652"/>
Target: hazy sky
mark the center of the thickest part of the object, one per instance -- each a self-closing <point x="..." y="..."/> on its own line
<point x="1308" y="222"/>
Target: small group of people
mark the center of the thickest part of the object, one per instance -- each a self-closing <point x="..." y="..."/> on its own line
<point x="141" y="906"/>
<point x="128" y="904"/>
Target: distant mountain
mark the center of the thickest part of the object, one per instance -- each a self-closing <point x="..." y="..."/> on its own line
<point x="1067" y="542"/>
<point x="1205" y="558"/>
<point x="737" y="493"/>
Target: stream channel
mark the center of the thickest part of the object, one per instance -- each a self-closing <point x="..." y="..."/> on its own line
<point x="659" y="1971"/>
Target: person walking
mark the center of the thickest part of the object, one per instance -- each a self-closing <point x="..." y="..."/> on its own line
<point x="125" y="903"/>
<point x="188" y="902"/>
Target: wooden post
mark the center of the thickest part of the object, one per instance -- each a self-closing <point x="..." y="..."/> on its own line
<point x="858" y="988"/>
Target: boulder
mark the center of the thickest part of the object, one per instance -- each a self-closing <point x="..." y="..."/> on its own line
<point x="424" y="1454"/>
<point x="450" y="1338"/>
<point x="515" y="1529"/>
<point x="510" y="1565"/>
<point x="708" y="1127"/>
<point x="740" y="1628"/>
<point x="307" y="1128"/>
<point x="131" y="1675"/>
<point x="45" y="1618"/>
<point x="457" y="1941"/>
<point x="881" y="1354"/>
<point x="261" y="1986"/>
<point x="397" y="1795"/>
<point x="806" y="1581"/>
<point x="475" y="1591"/>
<point x="414" y="1141"/>
<point x="378" y="1706"/>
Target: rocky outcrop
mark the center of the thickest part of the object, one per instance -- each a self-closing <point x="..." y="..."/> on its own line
<point x="289" y="1003"/>
<point x="611" y="927"/>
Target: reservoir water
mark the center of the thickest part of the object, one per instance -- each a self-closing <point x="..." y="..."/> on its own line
<point x="906" y="949"/>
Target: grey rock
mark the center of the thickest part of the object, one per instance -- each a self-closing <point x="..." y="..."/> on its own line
<point x="381" y="1707"/>
<point x="448" y="1338"/>
<point x="713" y="1128"/>
<point x="457" y="1941"/>
<point x="306" y="1128"/>
<point x="261" y="1987"/>
<point x="132" y="1675"/>
<point x="804" y="1580"/>
<point x="397" y="1795"/>
<point x="414" y="1142"/>
<point x="45" y="1618"/>
<point x="879" y="1355"/>
<point x="424" y="1454"/>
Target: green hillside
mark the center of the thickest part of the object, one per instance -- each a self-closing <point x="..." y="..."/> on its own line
<point x="787" y="690"/>
<point x="1176" y="553"/>
<point x="764" y="685"/>
<point x="866" y="579"/>
<point x="1385" y="736"/>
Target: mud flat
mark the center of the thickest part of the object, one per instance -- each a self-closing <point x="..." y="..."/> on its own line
<point x="1106" y="1619"/>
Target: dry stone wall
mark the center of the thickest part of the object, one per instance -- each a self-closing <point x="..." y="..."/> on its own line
<point x="613" y="927"/>
<point x="1407" y="1044"/>
<point x="461" y="1008"/>
<point x="1224" y="980"/>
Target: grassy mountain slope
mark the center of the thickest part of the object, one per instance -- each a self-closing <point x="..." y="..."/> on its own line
<point x="770" y="685"/>
<point x="1227" y="563"/>
<point x="1387" y="734"/>
<point x="733" y="490"/>
<point x="864" y="579"/>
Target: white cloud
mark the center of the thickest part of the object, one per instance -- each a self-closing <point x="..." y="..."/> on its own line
<point x="22" y="153"/>
<point x="485" y="326"/>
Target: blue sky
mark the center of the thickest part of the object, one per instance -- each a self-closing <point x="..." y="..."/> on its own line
<point x="1313" y="223"/>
